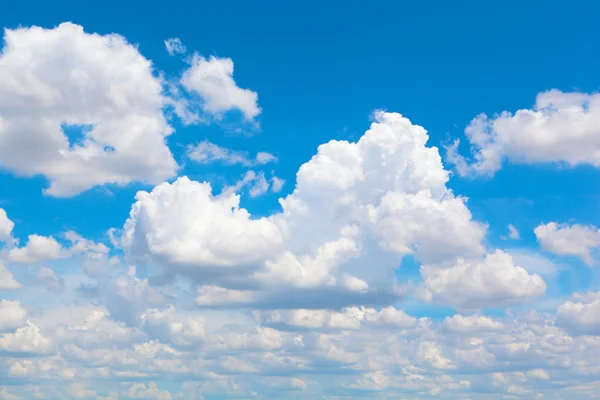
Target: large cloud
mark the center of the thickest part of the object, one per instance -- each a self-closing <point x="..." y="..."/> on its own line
<point x="355" y="204"/>
<point x="560" y="128"/>
<point x="61" y="82"/>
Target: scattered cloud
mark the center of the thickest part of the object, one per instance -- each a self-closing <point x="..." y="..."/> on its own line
<point x="560" y="128"/>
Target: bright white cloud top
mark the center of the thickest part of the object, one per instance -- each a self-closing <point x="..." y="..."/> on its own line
<point x="369" y="277"/>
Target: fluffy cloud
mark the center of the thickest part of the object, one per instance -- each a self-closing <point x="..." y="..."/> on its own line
<point x="206" y="152"/>
<point x="369" y="202"/>
<point x="581" y="316"/>
<point x="212" y="80"/>
<point x="12" y="315"/>
<point x="25" y="340"/>
<point x="80" y="109"/>
<point x="201" y="231"/>
<point x="7" y="281"/>
<point x="493" y="281"/>
<point x="38" y="249"/>
<point x="6" y="226"/>
<point x="570" y="240"/>
<point x="561" y="128"/>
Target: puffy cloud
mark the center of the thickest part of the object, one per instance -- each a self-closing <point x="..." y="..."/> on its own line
<point x="7" y="281"/>
<point x="493" y="281"/>
<point x="212" y="80"/>
<point x="174" y="46"/>
<point x="6" y="227"/>
<point x="570" y="240"/>
<point x="80" y="109"/>
<point x="582" y="316"/>
<point x="207" y="152"/>
<point x="38" y="249"/>
<point x="12" y="315"/>
<point x="201" y="231"/>
<point x="25" y="340"/>
<point x="471" y="324"/>
<point x="561" y="128"/>
<point x="354" y="204"/>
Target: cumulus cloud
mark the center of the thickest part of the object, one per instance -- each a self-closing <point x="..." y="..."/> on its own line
<point x="212" y="79"/>
<point x="562" y="127"/>
<point x="202" y="231"/>
<point x="206" y="152"/>
<point x="492" y="281"/>
<point x="12" y="315"/>
<point x="364" y="203"/>
<point x="174" y="46"/>
<point x="80" y="109"/>
<point x="569" y="240"/>
<point x="25" y="340"/>
<point x="6" y="227"/>
<point x="581" y="316"/>
<point x="7" y="281"/>
<point x="38" y="249"/>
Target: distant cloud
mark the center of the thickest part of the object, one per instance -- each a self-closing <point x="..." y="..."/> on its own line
<point x="207" y="152"/>
<point x="174" y="46"/>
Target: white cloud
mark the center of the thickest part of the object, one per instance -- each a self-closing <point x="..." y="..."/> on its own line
<point x="102" y="89"/>
<point x="539" y="374"/>
<point x="354" y="204"/>
<point x="25" y="340"/>
<point x="6" y="227"/>
<point x="147" y="391"/>
<point x="174" y="46"/>
<point x="561" y="128"/>
<point x="206" y="152"/>
<point x="202" y="231"/>
<point x="211" y="295"/>
<point x="38" y="249"/>
<point x="582" y="316"/>
<point x="7" y="281"/>
<point x="493" y="281"/>
<point x="212" y="80"/>
<point x="12" y="315"/>
<point x="570" y="240"/>
<point x="471" y="324"/>
<point x="277" y="184"/>
<point x="513" y="232"/>
<point x="262" y="157"/>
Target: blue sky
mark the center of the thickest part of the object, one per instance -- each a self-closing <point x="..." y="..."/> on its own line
<point x="245" y="190"/>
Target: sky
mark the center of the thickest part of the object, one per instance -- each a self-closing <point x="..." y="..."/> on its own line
<point x="315" y="200"/>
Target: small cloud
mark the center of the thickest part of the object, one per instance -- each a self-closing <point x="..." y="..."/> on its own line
<point x="263" y="157"/>
<point x="513" y="233"/>
<point x="277" y="184"/>
<point x="207" y="152"/>
<point x="174" y="46"/>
